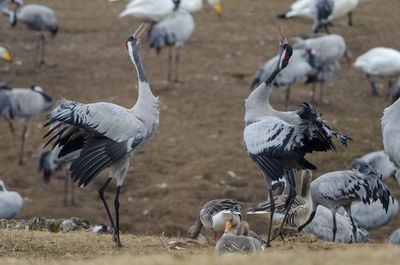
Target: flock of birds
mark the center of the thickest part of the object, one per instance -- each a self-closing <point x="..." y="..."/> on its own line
<point x="340" y="206"/>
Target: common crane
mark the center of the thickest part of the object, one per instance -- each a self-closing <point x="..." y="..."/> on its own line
<point x="278" y="141"/>
<point x="10" y="202"/>
<point x="24" y="103"/>
<point x="107" y="134"/>
<point x="174" y="30"/>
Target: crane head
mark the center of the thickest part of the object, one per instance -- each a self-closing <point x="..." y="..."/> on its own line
<point x="133" y="42"/>
<point x="285" y="52"/>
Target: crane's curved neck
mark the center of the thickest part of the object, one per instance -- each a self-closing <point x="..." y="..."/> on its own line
<point x="145" y="96"/>
<point x="257" y="104"/>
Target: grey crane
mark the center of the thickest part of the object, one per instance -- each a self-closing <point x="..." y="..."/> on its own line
<point x="321" y="227"/>
<point x="342" y="188"/>
<point x="320" y="11"/>
<point x="10" y="202"/>
<point x="390" y="131"/>
<point x="49" y="163"/>
<point x="39" y="18"/>
<point x="24" y="103"/>
<point x="278" y="141"/>
<point x="378" y="161"/>
<point x="106" y="134"/>
<point x="327" y="50"/>
<point x="174" y="30"/>
<point x="301" y="65"/>
<point x="4" y="8"/>
<point x="372" y="216"/>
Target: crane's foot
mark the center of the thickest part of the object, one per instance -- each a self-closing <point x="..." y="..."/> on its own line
<point x="116" y="239"/>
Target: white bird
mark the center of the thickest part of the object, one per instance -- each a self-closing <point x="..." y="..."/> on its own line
<point x="107" y="134"/>
<point x="378" y="161"/>
<point x="39" y="18"/>
<point x="379" y="61"/>
<point x="214" y="215"/>
<point x="395" y="237"/>
<point x="298" y="213"/>
<point x="10" y="202"/>
<point x="372" y="216"/>
<point x="239" y="241"/>
<point x="4" y="54"/>
<point x="49" y="163"/>
<point x="321" y="10"/>
<point x="342" y="188"/>
<point x="301" y="8"/>
<point x="321" y="227"/>
<point x="390" y="132"/>
<point x="173" y="30"/>
<point x="326" y="51"/>
<point x="24" y="103"/>
<point x="278" y="141"/>
<point x="155" y="10"/>
<point x="301" y="65"/>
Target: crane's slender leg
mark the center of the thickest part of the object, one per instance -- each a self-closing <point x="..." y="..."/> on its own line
<point x="326" y="28"/>
<point x="37" y="51"/>
<point x="101" y="193"/>
<point x="178" y="51"/>
<point x="66" y="188"/>
<point x="350" y="17"/>
<point x="43" y="44"/>
<point x="348" y="210"/>
<point x="313" y="93"/>
<point x="287" y="96"/>
<point x="271" y="216"/>
<point x="21" y="156"/>
<point x="169" y="64"/>
<point x="321" y="92"/>
<point x="72" y="193"/>
<point x="334" y="225"/>
<point x="116" y="204"/>
<point x="292" y="195"/>
<point x="390" y="83"/>
<point x="9" y="124"/>
<point x="373" y="87"/>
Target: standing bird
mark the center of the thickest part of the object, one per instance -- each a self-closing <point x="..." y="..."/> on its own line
<point x="298" y="213"/>
<point x="4" y="54"/>
<point x="240" y="242"/>
<point x="326" y="50"/>
<point x="278" y="141"/>
<point x="106" y="134"/>
<point x="321" y="10"/>
<point x="301" y="65"/>
<point x="301" y="8"/>
<point x="342" y="188"/>
<point x="214" y="216"/>
<point x="10" y="202"/>
<point x="24" y="103"/>
<point x="390" y="132"/>
<point x="39" y="18"/>
<point x="174" y="30"/>
<point x="379" y="61"/>
<point x="378" y="161"/>
<point x="49" y="163"/>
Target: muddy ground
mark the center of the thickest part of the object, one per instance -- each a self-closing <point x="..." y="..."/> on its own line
<point x="200" y="136"/>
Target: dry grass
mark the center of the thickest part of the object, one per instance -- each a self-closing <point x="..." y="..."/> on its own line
<point x="33" y="247"/>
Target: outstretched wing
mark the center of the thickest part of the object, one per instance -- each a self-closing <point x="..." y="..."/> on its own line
<point x="104" y="133"/>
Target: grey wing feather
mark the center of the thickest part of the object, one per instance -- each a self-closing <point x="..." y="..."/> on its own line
<point x="215" y="206"/>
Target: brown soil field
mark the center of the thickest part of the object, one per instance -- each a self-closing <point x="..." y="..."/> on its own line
<point x="200" y="136"/>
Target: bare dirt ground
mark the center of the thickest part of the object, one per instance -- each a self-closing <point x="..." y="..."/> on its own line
<point x="33" y="247"/>
<point x="201" y="122"/>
